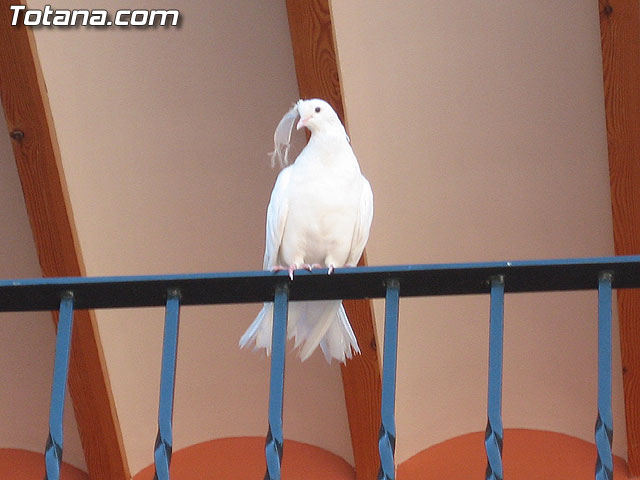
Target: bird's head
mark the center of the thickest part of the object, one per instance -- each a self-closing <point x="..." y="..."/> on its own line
<point x="316" y="115"/>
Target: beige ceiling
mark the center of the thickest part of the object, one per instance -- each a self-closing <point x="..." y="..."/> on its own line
<point x="481" y="129"/>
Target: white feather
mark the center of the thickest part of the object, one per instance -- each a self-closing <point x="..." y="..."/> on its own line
<point x="260" y="329"/>
<point x="339" y="341"/>
<point x="282" y="138"/>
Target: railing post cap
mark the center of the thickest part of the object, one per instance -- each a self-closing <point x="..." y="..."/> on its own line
<point x="606" y="275"/>
<point x="392" y="283"/>
<point x="174" y="292"/>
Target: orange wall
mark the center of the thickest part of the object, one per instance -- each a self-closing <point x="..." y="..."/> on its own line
<point x="528" y="455"/>
<point x="242" y="458"/>
<point x="16" y="464"/>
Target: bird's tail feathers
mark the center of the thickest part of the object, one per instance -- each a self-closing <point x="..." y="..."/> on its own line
<point x="312" y="329"/>
<point x="296" y="329"/>
<point x="339" y="342"/>
<point x="311" y="324"/>
<point x="260" y="330"/>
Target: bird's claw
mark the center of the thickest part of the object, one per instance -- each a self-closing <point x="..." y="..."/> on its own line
<point x="311" y="266"/>
<point x="306" y="266"/>
<point x="280" y="268"/>
<point x="291" y="269"/>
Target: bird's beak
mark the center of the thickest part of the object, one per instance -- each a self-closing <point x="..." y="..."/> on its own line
<point x="302" y="123"/>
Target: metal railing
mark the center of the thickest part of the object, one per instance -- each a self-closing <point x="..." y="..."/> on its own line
<point x="391" y="283"/>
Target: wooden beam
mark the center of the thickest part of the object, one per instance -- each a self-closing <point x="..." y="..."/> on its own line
<point x="620" y="35"/>
<point x="317" y="71"/>
<point x="362" y="382"/>
<point x="314" y="51"/>
<point x="26" y="107"/>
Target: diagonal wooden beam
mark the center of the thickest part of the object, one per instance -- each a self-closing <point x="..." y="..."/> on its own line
<point x="620" y="35"/>
<point x="317" y="72"/>
<point x="26" y="107"/>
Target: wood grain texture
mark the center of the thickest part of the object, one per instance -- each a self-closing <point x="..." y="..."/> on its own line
<point x="620" y="35"/>
<point x="35" y="147"/>
<point x="317" y="72"/>
<point x="314" y="51"/>
<point x="362" y="382"/>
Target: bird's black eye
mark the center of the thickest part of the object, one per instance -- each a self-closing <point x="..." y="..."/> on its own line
<point x="317" y="109"/>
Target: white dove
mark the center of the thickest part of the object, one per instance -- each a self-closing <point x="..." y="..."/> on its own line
<point x="319" y="216"/>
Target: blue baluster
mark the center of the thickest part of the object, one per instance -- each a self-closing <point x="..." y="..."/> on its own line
<point x="494" y="434"/>
<point x="273" y="446"/>
<point x="387" y="438"/>
<point x="164" y="439"/>
<point x="53" y="451"/>
<point x="604" y="422"/>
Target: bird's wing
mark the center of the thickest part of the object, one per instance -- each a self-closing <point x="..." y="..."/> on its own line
<point x="276" y="218"/>
<point x="363" y="223"/>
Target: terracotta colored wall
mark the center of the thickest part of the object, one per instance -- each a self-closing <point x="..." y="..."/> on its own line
<point x="528" y="455"/>
<point x="242" y="458"/>
<point x="18" y="464"/>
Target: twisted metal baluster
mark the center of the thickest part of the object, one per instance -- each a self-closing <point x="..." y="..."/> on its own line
<point x="273" y="446"/>
<point x="387" y="438"/>
<point x="494" y="435"/>
<point x="53" y="451"/>
<point x="604" y="422"/>
<point x="164" y="439"/>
